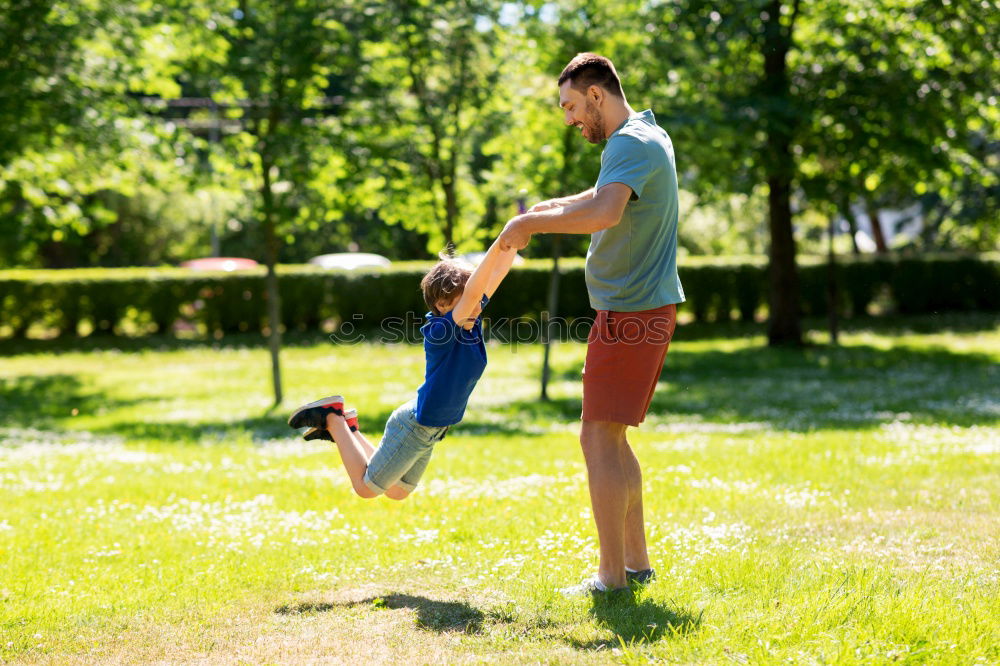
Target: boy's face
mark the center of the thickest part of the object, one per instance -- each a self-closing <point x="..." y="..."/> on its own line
<point x="444" y="307"/>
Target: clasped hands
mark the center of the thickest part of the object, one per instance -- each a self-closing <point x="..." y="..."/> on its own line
<point x="515" y="236"/>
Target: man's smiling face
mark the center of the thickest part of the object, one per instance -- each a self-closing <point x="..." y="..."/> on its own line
<point x="581" y="111"/>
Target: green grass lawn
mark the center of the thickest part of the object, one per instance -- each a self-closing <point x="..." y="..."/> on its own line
<point x="829" y="505"/>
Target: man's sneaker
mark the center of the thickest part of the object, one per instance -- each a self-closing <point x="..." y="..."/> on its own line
<point x="644" y="577"/>
<point x="318" y="433"/>
<point x="314" y="414"/>
<point x="351" y="416"/>
<point x="591" y="586"/>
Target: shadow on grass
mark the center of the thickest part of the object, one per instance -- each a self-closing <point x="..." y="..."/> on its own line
<point x="633" y="621"/>
<point x="157" y="342"/>
<point x="432" y="614"/>
<point x="813" y="388"/>
<point x="818" y="387"/>
<point x="40" y="401"/>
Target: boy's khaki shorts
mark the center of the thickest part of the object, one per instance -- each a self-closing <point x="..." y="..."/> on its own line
<point x="403" y="453"/>
<point x="625" y="354"/>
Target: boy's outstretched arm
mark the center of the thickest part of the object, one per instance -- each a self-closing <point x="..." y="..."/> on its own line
<point x="484" y="280"/>
<point x="505" y="259"/>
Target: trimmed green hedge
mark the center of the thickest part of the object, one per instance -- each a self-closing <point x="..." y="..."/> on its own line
<point x="159" y="299"/>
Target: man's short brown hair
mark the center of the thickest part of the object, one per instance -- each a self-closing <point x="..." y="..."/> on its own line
<point x="445" y="281"/>
<point x="590" y="69"/>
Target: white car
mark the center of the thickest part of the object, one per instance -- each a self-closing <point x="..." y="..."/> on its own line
<point x="350" y="260"/>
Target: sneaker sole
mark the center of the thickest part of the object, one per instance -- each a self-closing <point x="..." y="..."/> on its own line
<point x="331" y="400"/>
<point x="312" y="436"/>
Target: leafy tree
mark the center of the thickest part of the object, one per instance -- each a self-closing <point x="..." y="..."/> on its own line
<point x="277" y="64"/>
<point x="896" y="93"/>
<point x="820" y="102"/>
<point x="40" y="59"/>
<point x="430" y="73"/>
<point x="80" y="170"/>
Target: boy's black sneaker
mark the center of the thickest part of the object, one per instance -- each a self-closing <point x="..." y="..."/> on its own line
<point x="644" y="577"/>
<point x="351" y="416"/>
<point x="314" y="414"/>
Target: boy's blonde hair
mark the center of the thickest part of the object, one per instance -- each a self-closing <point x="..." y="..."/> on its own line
<point x="445" y="281"/>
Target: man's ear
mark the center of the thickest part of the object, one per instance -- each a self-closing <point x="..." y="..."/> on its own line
<point x="596" y="94"/>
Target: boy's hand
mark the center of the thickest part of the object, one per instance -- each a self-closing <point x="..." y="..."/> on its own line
<point x="514" y="236"/>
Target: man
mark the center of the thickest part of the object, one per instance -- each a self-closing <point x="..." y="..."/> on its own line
<point x="632" y="282"/>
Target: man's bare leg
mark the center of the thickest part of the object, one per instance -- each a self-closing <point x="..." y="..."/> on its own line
<point x="609" y="495"/>
<point x="636" y="556"/>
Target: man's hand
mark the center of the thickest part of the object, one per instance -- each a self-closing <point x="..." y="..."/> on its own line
<point x="513" y="236"/>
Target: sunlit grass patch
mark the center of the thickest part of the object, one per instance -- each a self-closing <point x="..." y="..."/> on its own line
<point x="828" y="505"/>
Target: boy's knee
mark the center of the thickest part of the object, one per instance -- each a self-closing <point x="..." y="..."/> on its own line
<point x="397" y="493"/>
<point x="365" y="492"/>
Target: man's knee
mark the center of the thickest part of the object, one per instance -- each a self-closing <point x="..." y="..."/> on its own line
<point x="596" y="436"/>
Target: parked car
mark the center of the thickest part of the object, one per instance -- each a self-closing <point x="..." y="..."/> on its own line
<point x="350" y="260"/>
<point x="220" y="264"/>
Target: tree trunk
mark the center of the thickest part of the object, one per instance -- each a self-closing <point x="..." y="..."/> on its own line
<point x="553" y="309"/>
<point x="569" y="145"/>
<point x="852" y="225"/>
<point x="831" y="284"/>
<point x="783" y="327"/>
<point x="450" y="208"/>
<point x="273" y="294"/>
<point x="877" y="234"/>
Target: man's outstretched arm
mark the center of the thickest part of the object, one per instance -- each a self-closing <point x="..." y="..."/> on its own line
<point x="559" y="202"/>
<point x="585" y="216"/>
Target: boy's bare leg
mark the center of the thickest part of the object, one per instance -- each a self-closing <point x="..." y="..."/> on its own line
<point x="364" y="443"/>
<point x="393" y="492"/>
<point x="352" y="453"/>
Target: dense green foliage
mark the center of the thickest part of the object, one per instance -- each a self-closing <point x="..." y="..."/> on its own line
<point x="133" y="132"/>
<point x="142" y="301"/>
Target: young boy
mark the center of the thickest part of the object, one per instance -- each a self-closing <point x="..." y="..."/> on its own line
<point x="456" y="358"/>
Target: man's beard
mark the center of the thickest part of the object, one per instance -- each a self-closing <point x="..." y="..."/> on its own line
<point x="594" y="123"/>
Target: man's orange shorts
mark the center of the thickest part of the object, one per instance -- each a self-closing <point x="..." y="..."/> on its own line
<point x="625" y="353"/>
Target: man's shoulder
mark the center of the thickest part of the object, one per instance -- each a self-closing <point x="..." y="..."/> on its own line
<point x="626" y="144"/>
<point x="629" y="136"/>
<point x="639" y="135"/>
<point x="643" y="132"/>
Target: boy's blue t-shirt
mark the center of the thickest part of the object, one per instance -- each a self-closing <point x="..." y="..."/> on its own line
<point x="456" y="359"/>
